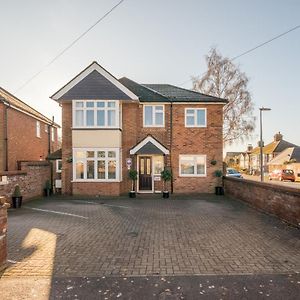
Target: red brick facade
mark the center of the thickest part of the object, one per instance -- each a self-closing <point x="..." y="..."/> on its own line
<point x="22" y="141"/>
<point x="174" y="136"/>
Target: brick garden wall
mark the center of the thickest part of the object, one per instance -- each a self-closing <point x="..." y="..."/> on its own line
<point x="281" y="201"/>
<point x="3" y="231"/>
<point x="31" y="179"/>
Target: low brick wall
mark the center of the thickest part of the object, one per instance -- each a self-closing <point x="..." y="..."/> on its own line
<point x="3" y="231"/>
<point x="281" y="201"/>
<point x="31" y="179"/>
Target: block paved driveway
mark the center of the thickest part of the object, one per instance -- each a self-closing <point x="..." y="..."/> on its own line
<point x="62" y="237"/>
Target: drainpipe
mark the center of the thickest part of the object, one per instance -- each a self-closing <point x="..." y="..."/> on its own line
<point x="171" y="141"/>
<point x="6" y="106"/>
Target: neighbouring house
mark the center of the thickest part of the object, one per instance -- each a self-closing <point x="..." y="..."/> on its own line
<point x="25" y="134"/>
<point x="270" y="151"/>
<point x="111" y="125"/>
<point x="287" y="159"/>
<point x="232" y="159"/>
<point x="56" y="160"/>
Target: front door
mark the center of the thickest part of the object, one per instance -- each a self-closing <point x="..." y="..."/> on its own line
<point x="145" y="173"/>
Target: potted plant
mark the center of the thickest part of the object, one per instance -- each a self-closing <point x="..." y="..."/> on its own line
<point x="17" y="197"/>
<point x="166" y="175"/>
<point x="47" y="188"/>
<point x="133" y="176"/>
<point x="219" y="190"/>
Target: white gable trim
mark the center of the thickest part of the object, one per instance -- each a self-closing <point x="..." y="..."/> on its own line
<point x="94" y="67"/>
<point x="151" y="140"/>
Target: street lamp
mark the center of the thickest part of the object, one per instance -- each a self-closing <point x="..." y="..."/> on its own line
<point x="261" y="109"/>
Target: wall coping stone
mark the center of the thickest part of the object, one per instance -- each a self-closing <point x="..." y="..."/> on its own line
<point x="269" y="186"/>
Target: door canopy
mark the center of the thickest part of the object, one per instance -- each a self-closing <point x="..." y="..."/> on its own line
<point x="149" y="145"/>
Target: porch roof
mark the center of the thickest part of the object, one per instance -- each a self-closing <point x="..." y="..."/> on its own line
<point x="149" y="145"/>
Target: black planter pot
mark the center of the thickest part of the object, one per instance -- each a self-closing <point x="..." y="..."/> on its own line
<point x="166" y="194"/>
<point x="47" y="192"/>
<point x="132" y="194"/>
<point x="17" y="201"/>
<point x="219" y="190"/>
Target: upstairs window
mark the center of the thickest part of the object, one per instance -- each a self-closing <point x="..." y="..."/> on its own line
<point x="52" y="134"/>
<point x="154" y="116"/>
<point x="38" y="129"/>
<point x="96" y="114"/>
<point x="195" y="117"/>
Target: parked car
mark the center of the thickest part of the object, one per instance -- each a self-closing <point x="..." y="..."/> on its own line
<point x="281" y="175"/>
<point x="230" y="172"/>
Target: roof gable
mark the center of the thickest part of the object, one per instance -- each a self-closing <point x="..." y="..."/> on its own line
<point x="94" y="82"/>
<point x="18" y="104"/>
<point x="149" y="145"/>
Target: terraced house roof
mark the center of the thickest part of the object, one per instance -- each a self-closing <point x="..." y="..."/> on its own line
<point x="15" y="102"/>
<point x="275" y="146"/>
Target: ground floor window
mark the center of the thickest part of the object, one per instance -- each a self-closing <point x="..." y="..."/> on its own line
<point x="158" y="164"/>
<point x="192" y="165"/>
<point x="96" y="164"/>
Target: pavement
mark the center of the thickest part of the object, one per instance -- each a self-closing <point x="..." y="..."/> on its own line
<point x="208" y="247"/>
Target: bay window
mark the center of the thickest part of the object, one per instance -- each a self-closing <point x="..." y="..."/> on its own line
<point x="96" y="164"/>
<point x="192" y="165"/>
<point x="95" y="114"/>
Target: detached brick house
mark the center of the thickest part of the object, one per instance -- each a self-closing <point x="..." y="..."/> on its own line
<point x="25" y="134"/>
<point x="110" y="125"/>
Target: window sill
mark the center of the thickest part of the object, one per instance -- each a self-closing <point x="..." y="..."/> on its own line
<point x="96" y="128"/>
<point x="3" y="182"/>
<point x="96" y="181"/>
<point x="193" y="126"/>
<point x="192" y="175"/>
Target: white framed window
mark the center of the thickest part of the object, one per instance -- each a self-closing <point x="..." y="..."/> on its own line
<point x="52" y="134"/>
<point x="96" y="164"/>
<point x="46" y="128"/>
<point x="195" y="117"/>
<point x="192" y="165"/>
<point x="158" y="164"/>
<point x="38" y="129"/>
<point x="96" y="114"/>
<point x="58" y="165"/>
<point x="154" y="115"/>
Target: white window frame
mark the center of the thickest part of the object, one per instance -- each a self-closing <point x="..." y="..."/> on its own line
<point x="195" y="165"/>
<point x="105" y="108"/>
<point x="46" y="128"/>
<point x="52" y="134"/>
<point x="95" y="159"/>
<point x="38" y="129"/>
<point x="195" y="117"/>
<point x="58" y="170"/>
<point x="153" y="115"/>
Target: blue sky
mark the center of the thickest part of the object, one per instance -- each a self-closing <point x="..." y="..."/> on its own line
<point x="155" y="42"/>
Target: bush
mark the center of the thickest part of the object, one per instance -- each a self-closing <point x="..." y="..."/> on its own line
<point x="17" y="191"/>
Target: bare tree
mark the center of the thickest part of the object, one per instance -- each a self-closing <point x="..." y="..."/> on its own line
<point x="224" y="79"/>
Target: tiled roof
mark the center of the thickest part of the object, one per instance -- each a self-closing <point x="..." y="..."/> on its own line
<point x="292" y="153"/>
<point x="178" y="94"/>
<point x="22" y="106"/>
<point x="55" y="155"/>
<point x="166" y="93"/>
<point x="275" y="146"/>
<point x="144" y="93"/>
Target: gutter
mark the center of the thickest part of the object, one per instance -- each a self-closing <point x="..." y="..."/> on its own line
<point x="171" y="140"/>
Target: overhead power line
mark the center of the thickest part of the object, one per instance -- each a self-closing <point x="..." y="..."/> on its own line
<point x="68" y="47"/>
<point x="254" y="48"/>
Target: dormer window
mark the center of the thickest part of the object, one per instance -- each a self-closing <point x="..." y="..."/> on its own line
<point x="96" y="114"/>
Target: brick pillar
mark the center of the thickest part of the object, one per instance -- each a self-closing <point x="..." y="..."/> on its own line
<point x="3" y="231"/>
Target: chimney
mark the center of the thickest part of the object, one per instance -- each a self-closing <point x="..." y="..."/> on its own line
<point x="249" y="148"/>
<point x="278" y="137"/>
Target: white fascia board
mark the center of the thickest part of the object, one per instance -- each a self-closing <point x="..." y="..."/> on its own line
<point x="94" y="67"/>
<point x="151" y="140"/>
